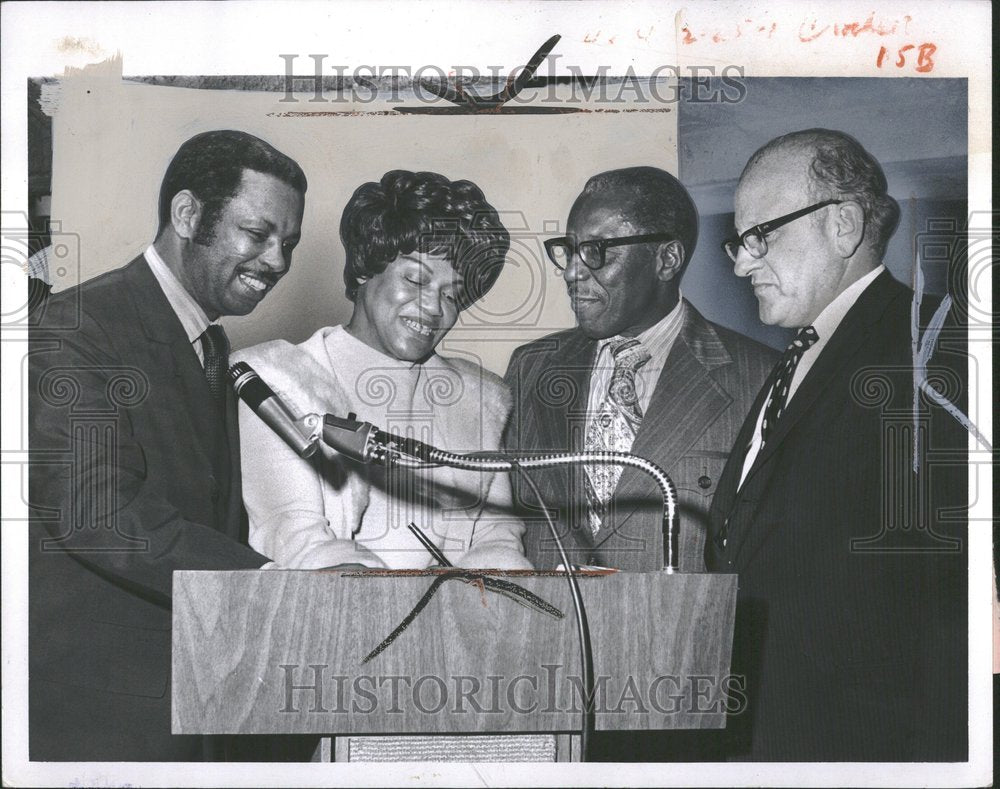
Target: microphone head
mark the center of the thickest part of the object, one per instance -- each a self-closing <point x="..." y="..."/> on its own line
<point x="241" y="373"/>
<point x="252" y="390"/>
<point x="249" y="386"/>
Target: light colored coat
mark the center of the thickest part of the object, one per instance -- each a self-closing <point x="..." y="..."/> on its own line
<point x="330" y="510"/>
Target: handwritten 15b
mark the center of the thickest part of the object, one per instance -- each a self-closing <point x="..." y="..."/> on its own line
<point x="924" y="61"/>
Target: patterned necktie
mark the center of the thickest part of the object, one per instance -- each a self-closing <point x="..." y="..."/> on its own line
<point x="614" y="426"/>
<point x="785" y="370"/>
<point x="215" y="345"/>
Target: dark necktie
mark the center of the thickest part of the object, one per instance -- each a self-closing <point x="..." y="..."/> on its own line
<point x="785" y="370"/>
<point x="614" y="427"/>
<point x="215" y="345"/>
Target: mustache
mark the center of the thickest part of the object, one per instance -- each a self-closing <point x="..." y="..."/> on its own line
<point x="577" y="293"/>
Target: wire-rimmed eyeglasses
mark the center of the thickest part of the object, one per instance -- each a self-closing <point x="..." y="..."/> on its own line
<point x="754" y="240"/>
<point x="561" y="249"/>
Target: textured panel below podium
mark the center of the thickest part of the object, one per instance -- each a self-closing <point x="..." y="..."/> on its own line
<point x="448" y="748"/>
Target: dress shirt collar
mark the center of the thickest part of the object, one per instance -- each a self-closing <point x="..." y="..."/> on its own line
<point x="657" y="339"/>
<point x="826" y="324"/>
<point x="189" y="312"/>
<point x="829" y="319"/>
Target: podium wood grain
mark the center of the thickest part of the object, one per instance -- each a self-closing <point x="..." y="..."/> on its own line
<point x="280" y="651"/>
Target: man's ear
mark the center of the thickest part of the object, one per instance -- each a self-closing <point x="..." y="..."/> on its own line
<point x="849" y="224"/>
<point x="669" y="260"/>
<point x="185" y="214"/>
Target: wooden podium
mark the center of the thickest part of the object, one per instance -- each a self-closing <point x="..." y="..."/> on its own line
<point x="280" y="652"/>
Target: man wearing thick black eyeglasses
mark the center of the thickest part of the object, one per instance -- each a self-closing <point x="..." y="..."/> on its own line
<point x="642" y="372"/>
<point x="851" y="609"/>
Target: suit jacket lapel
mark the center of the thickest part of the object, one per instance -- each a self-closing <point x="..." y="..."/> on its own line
<point x="236" y="520"/>
<point x="841" y="349"/>
<point x="851" y="332"/>
<point x="564" y="420"/>
<point x="560" y="390"/>
<point x="169" y="346"/>
<point x="725" y="494"/>
<point x="568" y="426"/>
<point x="162" y="326"/>
<point x="685" y="402"/>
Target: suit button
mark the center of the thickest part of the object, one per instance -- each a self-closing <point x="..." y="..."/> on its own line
<point x="704" y="482"/>
<point x="722" y="538"/>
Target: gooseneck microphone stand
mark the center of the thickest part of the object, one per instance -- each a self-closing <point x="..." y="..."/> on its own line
<point x="365" y="443"/>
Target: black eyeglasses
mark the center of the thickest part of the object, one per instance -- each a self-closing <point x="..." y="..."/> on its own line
<point x="754" y="240"/>
<point x="561" y="250"/>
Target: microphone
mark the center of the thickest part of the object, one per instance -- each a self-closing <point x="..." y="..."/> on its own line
<point x="365" y="443"/>
<point x="269" y="407"/>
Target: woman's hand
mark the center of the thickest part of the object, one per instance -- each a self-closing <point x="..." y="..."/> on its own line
<point x="494" y="557"/>
<point x="335" y="553"/>
<point x="347" y="566"/>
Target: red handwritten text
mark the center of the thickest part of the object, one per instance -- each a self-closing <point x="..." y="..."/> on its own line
<point x="745" y="27"/>
<point x="924" y="62"/>
<point x="810" y="31"/>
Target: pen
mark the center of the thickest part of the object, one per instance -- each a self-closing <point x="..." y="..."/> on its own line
<point x="504" y="588"/>
<point x="432" y="549"/>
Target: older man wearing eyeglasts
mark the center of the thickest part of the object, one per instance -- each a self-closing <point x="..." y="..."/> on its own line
<point x="642" y="371"/>
<point x="848" y="543"/>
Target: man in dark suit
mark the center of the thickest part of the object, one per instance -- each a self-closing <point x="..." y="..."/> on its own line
<point x="851" y="616"/>
<point x="629" y="237"/>
<point x="135" y="448"/>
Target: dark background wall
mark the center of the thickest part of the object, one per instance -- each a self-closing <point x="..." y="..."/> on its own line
<point x="917" y="129"/>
